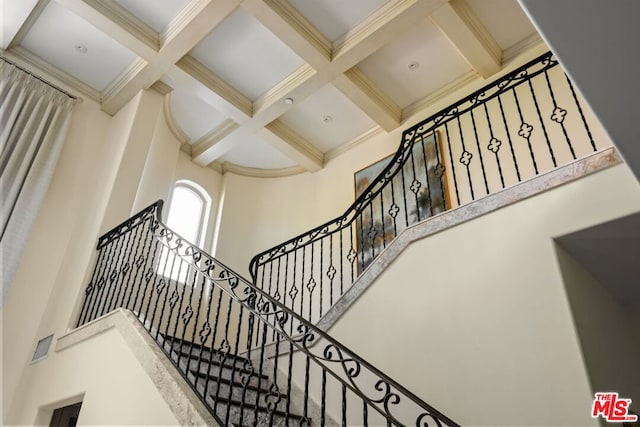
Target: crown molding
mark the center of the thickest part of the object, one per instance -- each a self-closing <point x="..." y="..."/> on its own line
<point x="369" y="98"/>
<point x="284" y="88"/>
<point x="477" y="27"/>
<point x="116" y="85"/>
<point x="440" y="94"/>
<point x="335" y="152"/>
<point x="172" y="123"/>
<point x="293" y="28"/>
<point x="31" y="61"/>
<point x="532" y="42"/>
<point x="28" y="23"/>
<point x="162" y="88"/>
<point x="294" y="145"/>
<point x="126" y="20"/>
<point x="198" y="71"/>
<point x="393" y="17"/>
<point x="261" y="173"/>
<point x="217" y="134"/>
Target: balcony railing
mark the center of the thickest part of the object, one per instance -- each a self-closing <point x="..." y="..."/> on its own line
<point x="525" y="123"/>
<point x="213" y="325"/>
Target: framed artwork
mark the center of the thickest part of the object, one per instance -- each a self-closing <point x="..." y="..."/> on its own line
<point x="419" y="192"/>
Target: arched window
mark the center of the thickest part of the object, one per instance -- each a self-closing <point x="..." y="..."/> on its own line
<point x="188" y="216"/>
<point x="189" y="211"/>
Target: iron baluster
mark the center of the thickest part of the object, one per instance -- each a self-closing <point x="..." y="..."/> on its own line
<point x="92" y="288"/>
<point x="323" y="398"/>
<point x="344" y="405"/>
<point x="544" y="128"/>
<point x="213" y="341"/>
<point x="415" y="184"/>
<point x="465" y="158"/>
<point x="321" y="276"/>
<point x="525" y="131"/>
<point x="494" y="144"/>
<point x="584" y="120"/>
<point x="506" y="127"/>
<point x="453" y="168"/>
<point x="429" y="202"/>
<point x="475" y="133"/>
<point x="558" y="115"/>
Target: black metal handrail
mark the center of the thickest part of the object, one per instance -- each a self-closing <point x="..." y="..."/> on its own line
<point x="309" y="272"/>
<point x="207" y="317"/>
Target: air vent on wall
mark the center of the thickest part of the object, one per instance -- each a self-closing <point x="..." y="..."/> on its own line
<point x="42" y="349"/>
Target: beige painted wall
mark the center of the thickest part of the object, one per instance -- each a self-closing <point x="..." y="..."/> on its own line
<point x="47" y="289"/>
<point x="485" y="333"/>
<point x="113" y="386"/>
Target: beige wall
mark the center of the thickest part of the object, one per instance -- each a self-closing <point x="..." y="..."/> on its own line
<point x="485" y="333"/>
<point x="92" y="189"/>
<point x="105" y="375"/>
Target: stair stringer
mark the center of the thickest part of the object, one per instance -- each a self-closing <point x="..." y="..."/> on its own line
<point x="180" y="398"/>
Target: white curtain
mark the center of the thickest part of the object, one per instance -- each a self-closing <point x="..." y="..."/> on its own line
<point x="34" y="119"/>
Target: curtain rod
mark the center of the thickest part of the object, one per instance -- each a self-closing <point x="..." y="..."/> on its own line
<point x="38" y="78"/>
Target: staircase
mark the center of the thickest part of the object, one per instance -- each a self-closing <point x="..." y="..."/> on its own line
<point x="231" y="386"/>
<point x="248" y="358"/>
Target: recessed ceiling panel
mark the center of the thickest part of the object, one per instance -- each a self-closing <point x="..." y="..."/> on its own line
<point x="328" y="119"/>
<point x="414" y="65"/>
<point x="157" y="13"/>
<point x="59" y="37"/>
<point x="504" y="19"/>
<point x="14" y="13"/>
<point x="246" y="55"/>
<point x="254" y="152"/>
<point x="194" y="116"/>
<point x="335" y="18"/>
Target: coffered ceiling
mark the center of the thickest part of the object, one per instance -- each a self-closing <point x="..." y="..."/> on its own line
<point x="268" y="85"/>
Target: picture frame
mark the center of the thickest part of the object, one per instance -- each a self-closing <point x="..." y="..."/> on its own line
<point x="427" y="162"/>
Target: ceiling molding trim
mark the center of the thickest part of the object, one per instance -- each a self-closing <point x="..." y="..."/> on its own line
<point x="50" y="72"/>
<point x="369" y="98"/>
<point x="531" y="42"/>
<point x="174" y="127"/>
<point x="186" y="148"/>
<point x="444" y="92"/>
<point x="478" y="28"/>
<point x="116" y="85"/>
<point x="223" y="89"/>
<point x="214" y="136"/>
<point x="468" y="36"/>
<point x="162" y="88"/>
<point x="293" y="28"/>
<point x="28" y="23"/>
<point x="393" y="17"/>
<point x="294" y="145"/>
<point x="335" y="152"/>
<point x="117" y="23"/>
<point x="197" y="20"/>
<point x="261" y="173"/>
<point x="216" y="166"/>
<point x="129" y="22"/>
<point x="284" y="88"/>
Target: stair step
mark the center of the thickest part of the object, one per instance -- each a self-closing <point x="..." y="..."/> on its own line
<point x="263" y="389"/>
<point x="240" y="364"/>
<point x="250" y="406"/>
<point x="225" y="375"/>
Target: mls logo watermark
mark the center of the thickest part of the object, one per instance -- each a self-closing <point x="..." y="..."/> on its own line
<point x="612" y="408"/>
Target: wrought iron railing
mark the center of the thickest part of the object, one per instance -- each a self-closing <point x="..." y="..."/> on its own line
<point x="206" y="319"/>
<point x="526" y="123"/>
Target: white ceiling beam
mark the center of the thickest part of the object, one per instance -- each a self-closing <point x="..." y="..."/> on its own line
<point x="214" y="143"/>
<point x="470" y="38"/>
<point x="380" y="28"/>
<point x="228" y="99"/>
<point x="184" y="32"/>
<point x="293" y="29"/>
<point x="293" y="145"/>
<point x="356" y="86"/>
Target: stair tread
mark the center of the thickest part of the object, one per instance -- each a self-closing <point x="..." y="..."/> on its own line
<point x="263" y="389"/>
<point x="204" y="374"/>
<point x="261" y="408"/>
